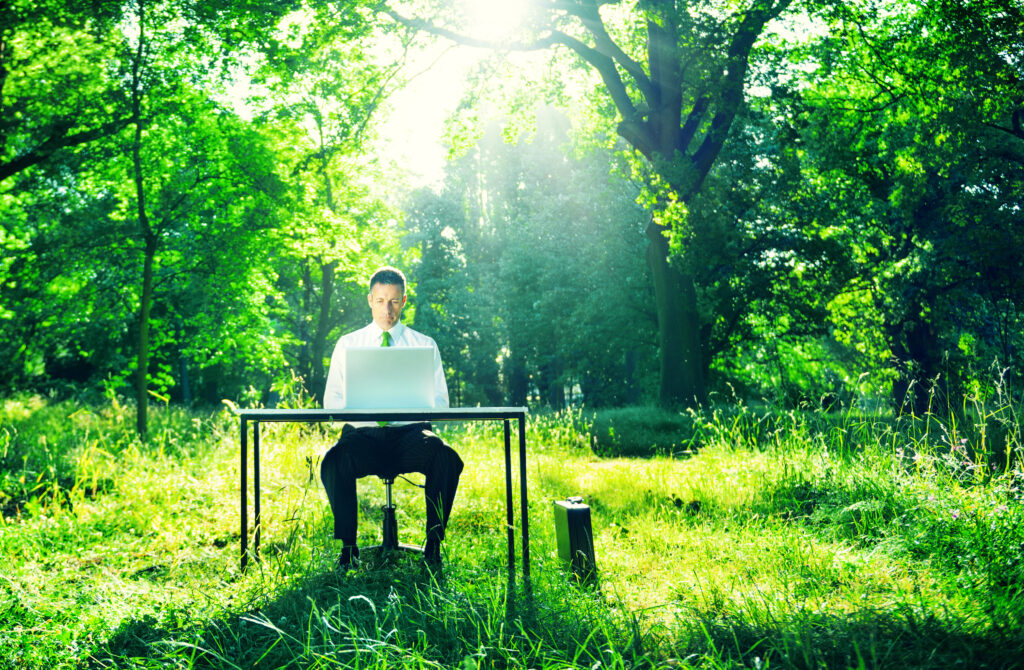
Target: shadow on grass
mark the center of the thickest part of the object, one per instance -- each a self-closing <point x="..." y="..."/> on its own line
<point x="399" y="614"/>
<point x="892" y="639"/>
<point x="403" y="616"/>
<point x="971" y="554"/>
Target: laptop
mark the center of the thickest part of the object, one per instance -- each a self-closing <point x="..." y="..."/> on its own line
<point x="389" y="377"/>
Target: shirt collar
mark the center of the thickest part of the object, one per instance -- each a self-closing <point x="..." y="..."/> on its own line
<point x="396" y="331"/>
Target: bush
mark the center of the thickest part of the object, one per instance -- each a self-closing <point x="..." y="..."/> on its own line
<point x="646" y="431"/>
<point x="643" y="432"/>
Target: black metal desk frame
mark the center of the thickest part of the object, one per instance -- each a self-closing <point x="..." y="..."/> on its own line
<point x="505" y="414"/>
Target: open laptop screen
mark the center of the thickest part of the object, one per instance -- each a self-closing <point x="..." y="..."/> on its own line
<point x="389" y="377"/>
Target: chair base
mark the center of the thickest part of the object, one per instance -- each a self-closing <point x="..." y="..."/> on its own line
<point x="389" y="541"/>
<point x="401" y="547"/>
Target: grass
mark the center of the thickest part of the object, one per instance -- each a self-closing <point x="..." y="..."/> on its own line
<point x="760" y="539"/>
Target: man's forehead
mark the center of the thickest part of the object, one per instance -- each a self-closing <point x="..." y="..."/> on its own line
<point x="390" y="289"/>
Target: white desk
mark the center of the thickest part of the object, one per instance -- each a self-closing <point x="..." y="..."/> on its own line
<point x="505" y="414"/>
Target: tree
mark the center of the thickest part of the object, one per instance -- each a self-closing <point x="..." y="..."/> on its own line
<point x="166" y="195"/>
<point x="324" y="80"/>
<point x="675" y="74"/>
<point x="771" y="261"/>
<point x="139" y="65"/>
<point x="75" y="102"/>
<point x="529" y="257"/>
<point x="112" y="277"/>
<point x="920" y="113"/>
<point x="433" y="222"/>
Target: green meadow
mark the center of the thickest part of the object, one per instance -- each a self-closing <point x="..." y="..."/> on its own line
<point x="800" y="218"/>
<point x="733" y="538"/>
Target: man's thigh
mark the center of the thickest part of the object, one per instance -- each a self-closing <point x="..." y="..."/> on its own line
<point x="416" y="448"/>
<point x="365" y="449"/>
<point x="391" y="450"/>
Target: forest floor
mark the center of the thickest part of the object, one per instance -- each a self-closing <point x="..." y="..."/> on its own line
<point x="785" y="539"/>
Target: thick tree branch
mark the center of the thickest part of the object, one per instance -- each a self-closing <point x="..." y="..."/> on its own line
<point x="58" y="142"/>
<point x="689" y="129"/>
<point x="605" y="67"/>
<point x="1017" y="125"/>
<point x="604" y="64"/>
<point x="465" y="40"/>
<point x="731" y="95"/>
<point x="665" y="62"/>
<point x="589" y="15"/>
<point x="168" y="212"/>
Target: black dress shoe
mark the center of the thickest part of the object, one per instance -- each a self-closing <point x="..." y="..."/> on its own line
<point x="348" y="557"/>
<point x="432" y="554"/>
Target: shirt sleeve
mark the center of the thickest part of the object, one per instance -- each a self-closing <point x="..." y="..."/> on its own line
<point x="440" y="385"/>
<point x="334" y="392"/>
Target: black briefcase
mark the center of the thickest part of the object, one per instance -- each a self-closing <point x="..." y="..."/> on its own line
<point x="575" y="537"/>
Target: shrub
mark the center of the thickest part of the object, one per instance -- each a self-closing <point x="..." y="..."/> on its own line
<point x="643" y="432"/>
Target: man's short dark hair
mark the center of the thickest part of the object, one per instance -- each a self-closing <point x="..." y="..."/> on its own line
<point x="388" y="275"/>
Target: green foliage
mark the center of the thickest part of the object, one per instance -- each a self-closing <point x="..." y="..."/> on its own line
<point x="335" y="231"/>
<point x="535" y="285"/>
<point x="921" y="145"/>
<point x="53" y="103"/>
<point x="235" y="209"/>
<point x="854" y="229"/>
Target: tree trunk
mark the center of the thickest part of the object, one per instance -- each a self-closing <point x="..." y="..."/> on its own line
<point x="682" y="144"/>
<point x="186" y="386"/>
<point x="149" y="239"/>
<point x="682" y="374"/>
<point x="142" y="359"/>
<point x="518" y="381"/>
<point x="319" y="344"/>
<point x="306" y="308"/>
<point x="920" y="386"/>
<point x="551" y="383"/>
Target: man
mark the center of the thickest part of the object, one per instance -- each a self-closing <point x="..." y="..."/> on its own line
<point x="393" y="449"/>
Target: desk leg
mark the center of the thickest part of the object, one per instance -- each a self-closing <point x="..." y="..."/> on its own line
<point x="243" y="487"/>
<point x="522" y="498"/>
<point x="256" y="488"/>
<point x="510" y="514"/>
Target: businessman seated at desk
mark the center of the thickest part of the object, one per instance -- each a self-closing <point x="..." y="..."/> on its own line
<point x="392" y="449"/>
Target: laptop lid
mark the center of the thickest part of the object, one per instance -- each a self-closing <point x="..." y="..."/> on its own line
<point x="389" y="377"/>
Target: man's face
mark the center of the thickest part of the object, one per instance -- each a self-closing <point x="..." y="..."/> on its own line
<point x="386" y="303"/>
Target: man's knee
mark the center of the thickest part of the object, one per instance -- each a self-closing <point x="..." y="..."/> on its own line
<point x="329" y="464"/>
<point x="452" y="460"/>
<point x="335" y="461"/>
<point x="457" y="461"/>
<point x="443" y="455"/>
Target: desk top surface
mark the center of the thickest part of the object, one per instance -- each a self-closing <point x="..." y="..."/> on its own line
<point x="441" y="414"/>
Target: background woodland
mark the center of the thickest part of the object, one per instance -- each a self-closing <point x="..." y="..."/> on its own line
<point x="800" y="202"/>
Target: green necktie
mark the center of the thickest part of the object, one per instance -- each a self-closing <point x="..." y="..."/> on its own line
<point x="385" y="341"/>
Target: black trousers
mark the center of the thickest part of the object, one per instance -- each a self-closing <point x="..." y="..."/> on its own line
<point x="388" y="451"/>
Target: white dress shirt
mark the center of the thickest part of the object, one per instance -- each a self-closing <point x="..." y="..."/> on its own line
<point x="371" y="336"/>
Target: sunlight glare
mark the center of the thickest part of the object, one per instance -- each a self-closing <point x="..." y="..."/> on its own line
<point x="494" y="20"/>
